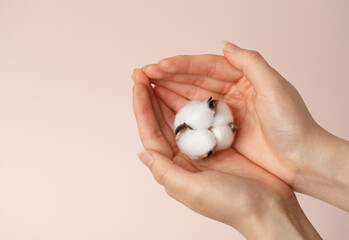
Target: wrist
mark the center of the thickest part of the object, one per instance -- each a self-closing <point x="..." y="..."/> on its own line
<point x="325" y="172"/>
<point x="282" y="220"/>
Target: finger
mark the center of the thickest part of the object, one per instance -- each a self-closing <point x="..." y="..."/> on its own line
<point x="168" y="114"/>
<point x="189" y="91"/>
<point x="176" y="180"/>
<point x="153" y="71"/>
<point x="209" y="65"/>
<point x="140" y="77"/>
<point x="169" y="119"/>
<point x="148" y="127"/>
<point x="173" y="100"/>
<point x="262" y="76"/>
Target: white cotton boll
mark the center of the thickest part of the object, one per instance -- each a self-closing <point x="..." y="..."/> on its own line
<point x="196" y="143"/>
<point x="196" y="114"/>
<point x="204" y="127"/>
<point x="224" y="136"/>
<point x="223" y="115"/>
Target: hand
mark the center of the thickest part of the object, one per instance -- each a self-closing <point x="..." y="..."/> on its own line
<point x="226" y="187"/>
<point x="277" y="131"/>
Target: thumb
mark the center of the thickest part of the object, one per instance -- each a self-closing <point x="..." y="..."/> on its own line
<point x="165" y="171"/>
<point x="253" y="65"/>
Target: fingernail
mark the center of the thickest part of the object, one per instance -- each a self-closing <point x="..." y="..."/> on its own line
<point x="230" y="47"/>
<point x="145" y="157"/>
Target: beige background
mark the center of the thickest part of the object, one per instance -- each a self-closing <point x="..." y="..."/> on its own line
<point x="68" y="138"/>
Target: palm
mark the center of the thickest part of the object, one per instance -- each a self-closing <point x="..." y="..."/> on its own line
<point x="225" y="173"/>
<point x="192" y="78"/>
<point x="240" y="98"/>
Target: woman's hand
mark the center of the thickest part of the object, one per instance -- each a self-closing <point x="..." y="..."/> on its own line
<point x="277" y="131"/>
<point x="226" y="187"/>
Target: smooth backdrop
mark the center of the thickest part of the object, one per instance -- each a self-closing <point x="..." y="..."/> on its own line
<point x="68" y="138"/>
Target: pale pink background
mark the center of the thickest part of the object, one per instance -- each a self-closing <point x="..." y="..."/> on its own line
<point x="68" y="138"/>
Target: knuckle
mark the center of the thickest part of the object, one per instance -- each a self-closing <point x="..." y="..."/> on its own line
<point x="156" y="133"/>
<point x="180" y="57"/>
<point x="212" y="64"/>
<point x="144" y="107"/>
<point x="191" y="93"/>
<point x="161" y="177"/>
<point x="252" y="59"/>
<point x="227" y="87"/>
<point x="199" y="81"/>
<point x="254" y="55"/>
<point x="212" y="70"/>
<point x="171" y="63"/>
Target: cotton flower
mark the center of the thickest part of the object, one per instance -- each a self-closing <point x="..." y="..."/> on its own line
<point x="204" y="127"/>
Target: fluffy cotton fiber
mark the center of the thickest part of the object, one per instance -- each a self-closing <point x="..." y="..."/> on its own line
<point x="196" y="114"/>
<point x="223" y="115"/>
<point x="224" y="136"/>
<point x="188" y="143"/>
<point x="203" y="128"/>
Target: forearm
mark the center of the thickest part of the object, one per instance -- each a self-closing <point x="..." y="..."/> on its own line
<point x="283" y="221"/>
<point x="326" y="175"/>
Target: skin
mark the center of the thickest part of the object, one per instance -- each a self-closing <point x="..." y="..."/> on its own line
<point x="277" y="131"/>
<point x="226" y="187"/>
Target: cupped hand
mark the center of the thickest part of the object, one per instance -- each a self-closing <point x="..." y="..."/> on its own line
<point x="277" y="130"/>
<point x="226" y="187"/>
